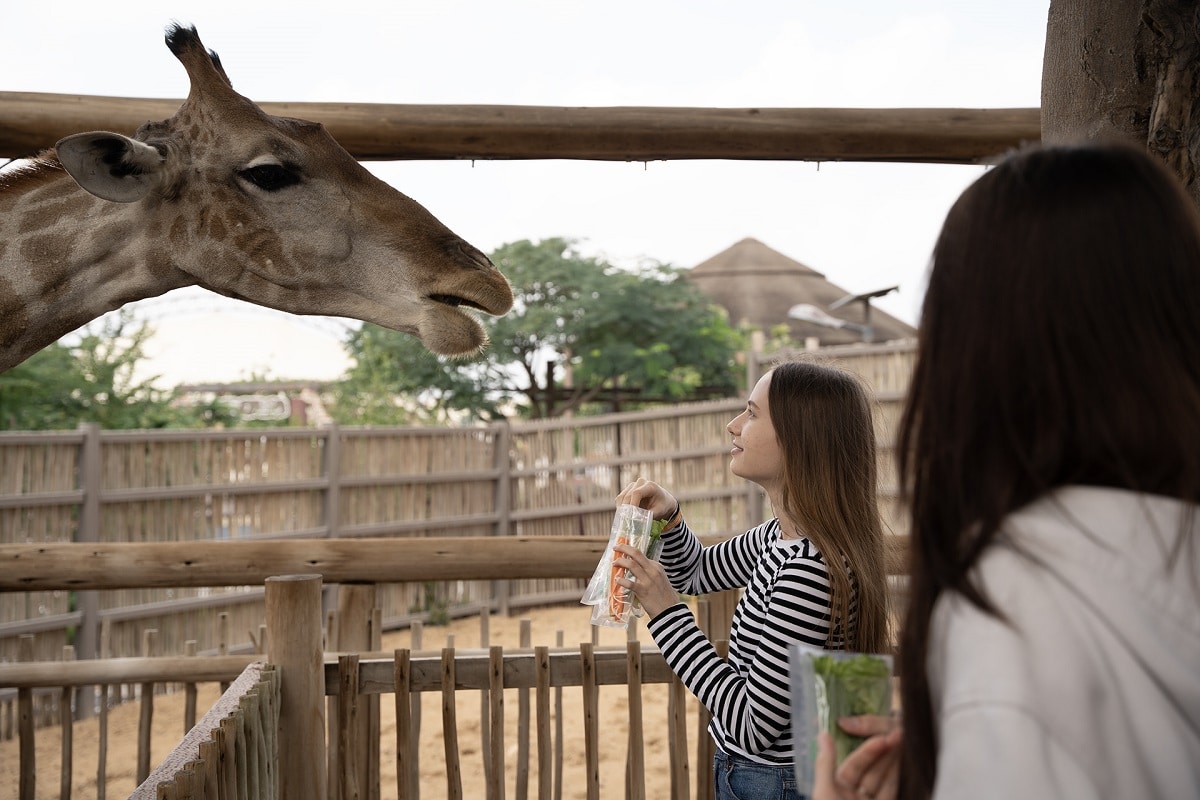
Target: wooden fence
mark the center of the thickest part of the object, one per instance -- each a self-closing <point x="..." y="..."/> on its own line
<point x="348" y="766"/>
<point x="230" y="754"/>
<point x="352" y="682"/>
<point x="192" y="490"/>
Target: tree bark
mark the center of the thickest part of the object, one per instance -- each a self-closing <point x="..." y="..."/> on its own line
<point x="1126" y="70"/>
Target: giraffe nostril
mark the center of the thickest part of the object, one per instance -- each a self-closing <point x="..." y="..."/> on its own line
<point x="476" y="255"/>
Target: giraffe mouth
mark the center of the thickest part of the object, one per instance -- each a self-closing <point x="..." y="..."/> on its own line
<point x="456" y="301"/>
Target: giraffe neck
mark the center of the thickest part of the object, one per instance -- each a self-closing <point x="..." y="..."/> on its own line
<point x="68" y="257"/>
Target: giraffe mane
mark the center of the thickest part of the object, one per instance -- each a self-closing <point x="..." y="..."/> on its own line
<point x="41" y="168"/>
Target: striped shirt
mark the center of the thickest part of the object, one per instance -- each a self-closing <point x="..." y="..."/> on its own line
<point x="786" y="600"/>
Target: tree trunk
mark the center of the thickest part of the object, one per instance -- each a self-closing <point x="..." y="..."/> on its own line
<point x="1129" y="70"/>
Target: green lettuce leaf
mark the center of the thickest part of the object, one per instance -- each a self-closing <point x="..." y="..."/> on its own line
<point x="847" y="687"/>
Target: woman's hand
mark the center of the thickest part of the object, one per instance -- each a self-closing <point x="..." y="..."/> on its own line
<point x="871" y="771"/>
<point x="649" y="584"/>
<point x="648" y="494"/>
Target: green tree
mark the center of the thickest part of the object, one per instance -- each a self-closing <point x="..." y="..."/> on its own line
<point x="93" y="380"/>
<point x="583" y="336"/>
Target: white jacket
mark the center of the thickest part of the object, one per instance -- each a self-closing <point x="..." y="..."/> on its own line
<point x="1093" y="691"/>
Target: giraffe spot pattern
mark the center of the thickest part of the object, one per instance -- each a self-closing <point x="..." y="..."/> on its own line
<point x="15" y="319"/>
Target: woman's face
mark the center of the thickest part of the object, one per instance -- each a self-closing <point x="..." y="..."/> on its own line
<point x="756" y="454"/>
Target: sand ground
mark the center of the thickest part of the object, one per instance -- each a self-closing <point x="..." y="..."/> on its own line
<point x="545" y="623"/>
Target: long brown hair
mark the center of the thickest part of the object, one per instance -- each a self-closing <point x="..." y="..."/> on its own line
<point x="1059" y="344"/>
<point x="822" y="418"/>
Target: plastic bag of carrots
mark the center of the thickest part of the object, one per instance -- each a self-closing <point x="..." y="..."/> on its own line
<point x="612" y="604"/>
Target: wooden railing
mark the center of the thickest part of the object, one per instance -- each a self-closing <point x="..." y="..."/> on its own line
<point x="221" y="756"/>
<point x="353" y="562"/>
<point x="232" y="753"/>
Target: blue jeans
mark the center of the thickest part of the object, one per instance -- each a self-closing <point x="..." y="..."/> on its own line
<point x="738" y="778"/>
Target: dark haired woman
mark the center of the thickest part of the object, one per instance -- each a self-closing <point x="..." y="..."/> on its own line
<point x="1050" y="451"/>
<point x="813" y="574"/>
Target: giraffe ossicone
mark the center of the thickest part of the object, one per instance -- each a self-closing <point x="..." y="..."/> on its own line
<point x="271" y="210"/>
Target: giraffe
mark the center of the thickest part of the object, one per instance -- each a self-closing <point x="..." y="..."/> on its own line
<point x="266" y="209"/>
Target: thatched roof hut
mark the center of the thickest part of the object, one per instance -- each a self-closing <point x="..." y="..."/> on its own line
<point x="758" y="286"/>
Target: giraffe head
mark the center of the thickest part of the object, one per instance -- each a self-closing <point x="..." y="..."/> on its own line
<point x="274" y="211"/>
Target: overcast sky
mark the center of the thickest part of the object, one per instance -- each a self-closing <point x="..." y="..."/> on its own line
<point x="865" y="226"/>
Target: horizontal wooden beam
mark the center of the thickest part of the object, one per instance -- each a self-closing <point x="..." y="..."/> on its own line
<point x="125" y="565"/>
<point x="108" y="671"/>
<point x="376" y="670"/>
<point x="145" y="565"/>
<point x="32" y="121"/>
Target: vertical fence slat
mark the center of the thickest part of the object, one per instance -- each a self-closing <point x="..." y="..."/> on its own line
<point x="558" y="730"/>
<point x="495" y="776"/>
<point x="146" y="719"/>
<point x="189" y="689"/>
<point x="66" y="724"/>
<point x="450" y="727"/>
<point x="485" y="720"/>
<point x="677" y="739"/>
<point x="27" y="788"/>
<point x="356" y="609"/>
<point x="541" y="659"/>
<point x="591" y="720"/>
<point x="522" y="785"/>
<point x="414" y="705"/>
<point x="373" y="713"/>
<point x="349" y="742"/>
<point x="401" y="676"/>
<point x="229" y="774"/>
<point x="637" y="767"/>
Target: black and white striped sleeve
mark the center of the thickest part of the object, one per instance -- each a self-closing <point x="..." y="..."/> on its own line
<point x="752" y="706"/>
<point x="694" y="569"/>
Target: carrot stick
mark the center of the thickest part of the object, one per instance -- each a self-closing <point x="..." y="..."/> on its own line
<point x="616" y="598"/>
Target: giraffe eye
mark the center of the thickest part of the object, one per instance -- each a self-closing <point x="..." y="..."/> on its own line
<point x="270" y="177"/>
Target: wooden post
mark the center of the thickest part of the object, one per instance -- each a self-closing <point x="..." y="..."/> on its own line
<point x="294" y="647"/>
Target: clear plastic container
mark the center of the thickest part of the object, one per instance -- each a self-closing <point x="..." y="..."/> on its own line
<point x="826" y="686"/>
<point x="613" y="605"/>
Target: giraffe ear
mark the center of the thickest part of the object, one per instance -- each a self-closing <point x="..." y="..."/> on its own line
<point x="109" y="165"/>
